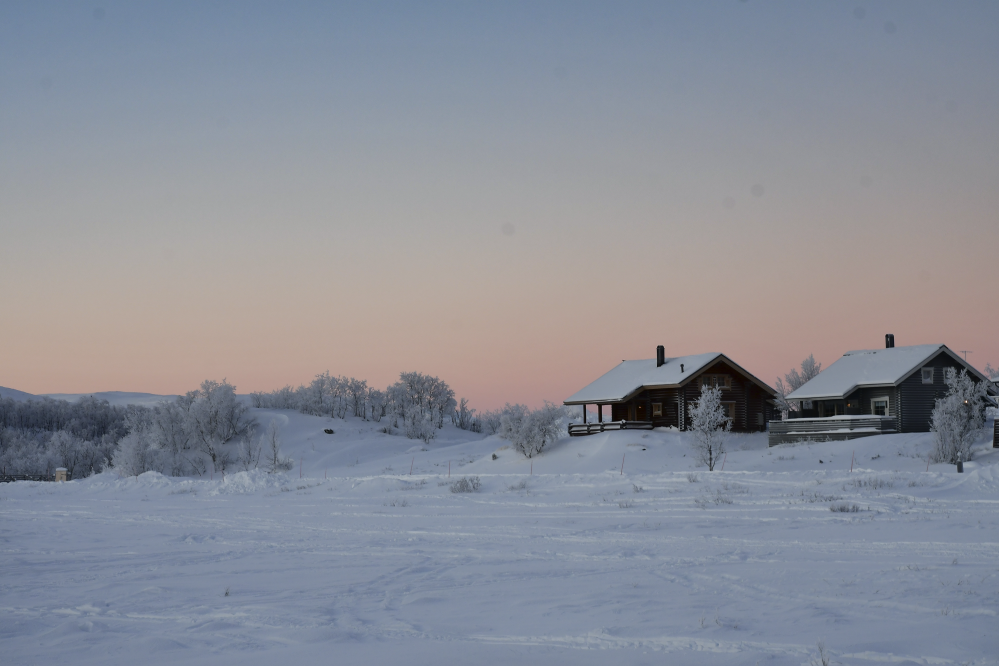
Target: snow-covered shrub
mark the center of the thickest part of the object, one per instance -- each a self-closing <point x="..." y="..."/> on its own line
<point x="491" y="421"/>
<point x="283" y="398"/>
<point x="958" y="418"/>
<point x="709" y="424"/>
<point x="420" y="426"/>
<point x="844" y="508"/>
<point x="465" y="484"/>
<point x="531" y="432"/>
<point x="136" y="452"/>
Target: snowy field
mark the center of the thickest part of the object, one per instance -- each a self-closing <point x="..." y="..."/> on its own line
<point x="573" y="561"/>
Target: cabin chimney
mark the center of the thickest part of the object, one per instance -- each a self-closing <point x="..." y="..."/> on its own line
<point x="889" y="340"/>
<point x="660" y="356"/>
<point x="681" y="367"/>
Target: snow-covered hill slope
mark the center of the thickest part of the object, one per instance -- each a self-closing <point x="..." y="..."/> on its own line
<point x="352" y="559"/>
<point x="14" y="394"/>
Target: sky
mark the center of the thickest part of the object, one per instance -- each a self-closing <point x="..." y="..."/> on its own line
<point x="511" y="196"/>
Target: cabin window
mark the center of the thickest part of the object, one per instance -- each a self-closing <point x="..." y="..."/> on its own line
<point x="729" y="408"/>
<point x="879" y="406"/>
<point x="927" y="375"/>
<point x="657" y="409"/>
<point x="720" y="381"/>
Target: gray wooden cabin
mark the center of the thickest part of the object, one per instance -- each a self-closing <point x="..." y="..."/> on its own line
<point x="872" y="392"/>
<point x="659" y="392"/>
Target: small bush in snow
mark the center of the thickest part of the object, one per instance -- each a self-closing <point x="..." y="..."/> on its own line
<point x="531" y="432"/>
<point x="420" y="426"/>
<point x="692" y="478"/>
<point x="873" y="482"/>
<point x="958" y="417"/>
<point x="466" y="484"/>
<point x="710" y="424"/>
<point x="844" y="508"/>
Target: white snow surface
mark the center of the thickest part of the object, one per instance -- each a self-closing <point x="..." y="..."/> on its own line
<point x="352" y="559"/>
<point x="630" y="376"/>
<point x="870" y="367"/>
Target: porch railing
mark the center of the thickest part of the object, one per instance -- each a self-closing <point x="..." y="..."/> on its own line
<point x="580" y="429"/>
<point x="833" y="426"/>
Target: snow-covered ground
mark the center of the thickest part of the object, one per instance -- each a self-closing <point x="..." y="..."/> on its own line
<point x="573" y="561"/>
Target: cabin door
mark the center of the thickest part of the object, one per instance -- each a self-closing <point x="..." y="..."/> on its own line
<point x="641" y="412"/>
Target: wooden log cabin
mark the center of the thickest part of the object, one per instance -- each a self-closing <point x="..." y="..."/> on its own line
<point x="660" y="392"/>
<point x="873" y="392"/>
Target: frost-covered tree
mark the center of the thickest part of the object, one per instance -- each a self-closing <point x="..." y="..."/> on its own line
<point x="218" y="421"/>
<point x="794" y="380"/>
<point x="709" y="424"/>
<point x="463" y="417"/>
<point x="420" y="426"/>
<point x="531" y="432"/>
<point x="356" y="391"/>
<point x="377" y="401"/>
<point x="136" y="452"/>
<point x="991" y="373"/>
<point x="958" y="417"/>
<point x="283" y="398"/>
<point x="430" y="396"/>
<point x="440" y="400"/>
<point x="275" y="460"/>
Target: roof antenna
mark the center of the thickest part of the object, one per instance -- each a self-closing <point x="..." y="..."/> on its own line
<point x="965" y="352"/>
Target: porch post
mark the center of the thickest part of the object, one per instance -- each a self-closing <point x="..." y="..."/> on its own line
<point x="600" y="413"/>
<point x="584" y="414"/>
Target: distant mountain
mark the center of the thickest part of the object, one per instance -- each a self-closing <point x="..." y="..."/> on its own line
<point x="20" y="396"/>
<point x="120" y="398"/>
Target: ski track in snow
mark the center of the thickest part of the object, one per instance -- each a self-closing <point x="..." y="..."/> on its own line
<point x="575" y="564"/>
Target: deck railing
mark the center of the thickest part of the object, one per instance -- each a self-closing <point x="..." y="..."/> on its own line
<point x="832" y="427"/>
<point x="580" y="429"/>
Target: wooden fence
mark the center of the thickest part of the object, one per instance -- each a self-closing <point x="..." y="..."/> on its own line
<point x="7" y="478"/>
<point x="830" y="428"/>
<point x="580" y="429"/>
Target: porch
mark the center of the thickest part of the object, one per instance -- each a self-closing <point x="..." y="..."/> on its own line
<point x="830" y="428"/>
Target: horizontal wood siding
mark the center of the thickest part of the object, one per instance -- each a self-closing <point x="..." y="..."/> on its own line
<point x="919" y="399"/>
<point x="749" y="400"/>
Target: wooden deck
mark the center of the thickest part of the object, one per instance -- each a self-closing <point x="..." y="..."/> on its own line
<point x="581" y="429"/>
<point x="830" y="428"/>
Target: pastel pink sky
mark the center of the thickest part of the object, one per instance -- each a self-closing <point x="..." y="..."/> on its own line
<point x="514" y="198"/>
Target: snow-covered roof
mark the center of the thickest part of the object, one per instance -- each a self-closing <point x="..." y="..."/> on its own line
<point x="870" y="367"/>
<point x="632" y="376"/>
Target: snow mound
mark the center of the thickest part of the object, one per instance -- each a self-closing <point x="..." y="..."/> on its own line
<point x="243" y="483"/>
